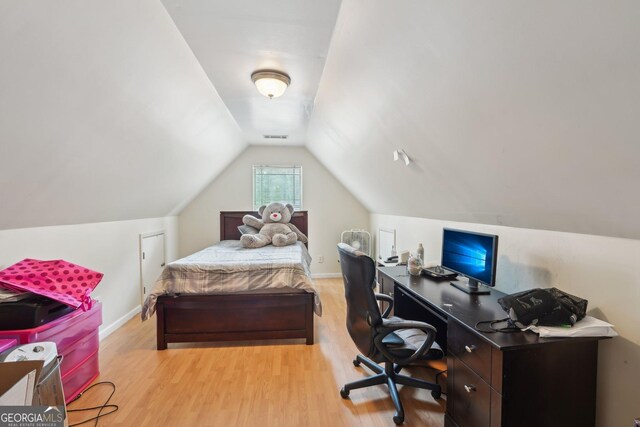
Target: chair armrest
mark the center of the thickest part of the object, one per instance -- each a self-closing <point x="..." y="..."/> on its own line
<point x="387" y="298"/>
<point x="397" y="323"/>
<point x="390" y="325"/>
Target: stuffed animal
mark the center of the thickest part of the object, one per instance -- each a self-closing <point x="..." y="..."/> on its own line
<point x="274" y="227"/>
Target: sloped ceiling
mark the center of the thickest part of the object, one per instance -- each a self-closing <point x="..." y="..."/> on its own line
<point x="514" y="113"/>
<point x="105" y="114"/>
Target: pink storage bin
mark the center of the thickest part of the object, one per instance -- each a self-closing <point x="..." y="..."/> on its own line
<point x="76" y="337"/>
<point x="78" y="379"/>
<point x="7" y="344"/>
<point x="63" y="331"/>
<point x="79" y="351"/>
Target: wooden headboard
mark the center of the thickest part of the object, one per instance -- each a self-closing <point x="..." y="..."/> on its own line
<point x="230" y="220"/>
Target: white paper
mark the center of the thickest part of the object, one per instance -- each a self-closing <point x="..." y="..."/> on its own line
<point x="587" y="327"/>
<point x="12" y="295"/>
<point x="21" y="393"/>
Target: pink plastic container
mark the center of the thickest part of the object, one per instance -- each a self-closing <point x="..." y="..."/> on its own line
<point x="7" y="344"/>
<point x="79" y="351"/>
<point x="77" y="380"/>
<point x="64" y="331"/>
<point x="77" y="339"/>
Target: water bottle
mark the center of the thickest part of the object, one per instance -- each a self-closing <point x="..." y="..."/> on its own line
<point x="420" y="252"/>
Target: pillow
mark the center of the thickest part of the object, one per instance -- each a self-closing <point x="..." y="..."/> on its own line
<point x="247" y="229"/>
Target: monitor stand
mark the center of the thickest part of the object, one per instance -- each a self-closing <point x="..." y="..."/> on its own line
<point x="472" y="287"/>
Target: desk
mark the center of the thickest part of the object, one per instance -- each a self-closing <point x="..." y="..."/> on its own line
<point x="499" y="379"/>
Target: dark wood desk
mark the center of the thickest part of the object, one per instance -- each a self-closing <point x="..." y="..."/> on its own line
<point x="498" y="379"/>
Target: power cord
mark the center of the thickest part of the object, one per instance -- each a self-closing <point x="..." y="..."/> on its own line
<point x="435" y="378"/>
<point x="113" y="408"/>
<point x="491" y="328"/>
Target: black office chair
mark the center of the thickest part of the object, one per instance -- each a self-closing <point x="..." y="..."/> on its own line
<point x="394" y="341"/>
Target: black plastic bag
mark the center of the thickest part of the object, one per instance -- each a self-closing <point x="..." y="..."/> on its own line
<point x="543" y="307"/>
<point x="574" y="304"/>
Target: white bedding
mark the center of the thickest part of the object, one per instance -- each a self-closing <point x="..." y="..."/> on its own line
<point x="227" y="267"/>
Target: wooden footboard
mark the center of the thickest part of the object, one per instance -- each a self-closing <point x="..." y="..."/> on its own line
<point x="234" y="317"/>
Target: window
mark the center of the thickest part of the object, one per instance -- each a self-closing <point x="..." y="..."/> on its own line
<point x="277" y="184"/>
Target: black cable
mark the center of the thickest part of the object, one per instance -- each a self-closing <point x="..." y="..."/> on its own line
<point x="101" y="408"/>
<point x="97" y="417"/>
<point x="436" y="380"/>
<point x="511" y="327"/>
<point x="438" y="373"/>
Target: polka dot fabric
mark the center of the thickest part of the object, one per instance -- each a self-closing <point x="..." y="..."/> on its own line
<point x="60" y="280"/>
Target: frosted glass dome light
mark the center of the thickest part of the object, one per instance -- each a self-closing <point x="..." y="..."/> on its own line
<point x="270" y="83"/>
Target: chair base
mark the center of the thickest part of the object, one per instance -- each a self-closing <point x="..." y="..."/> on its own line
<point x="390" y="376"/>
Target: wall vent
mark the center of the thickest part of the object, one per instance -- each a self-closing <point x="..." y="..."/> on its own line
<point x="275" y="136"/>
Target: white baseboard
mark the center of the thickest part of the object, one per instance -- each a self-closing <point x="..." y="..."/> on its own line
<point x="108" y="330"/>
<point x="326" y="275"/>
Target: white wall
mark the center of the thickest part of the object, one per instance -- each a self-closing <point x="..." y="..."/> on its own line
<point x="604" y="270"/>
<point x="105" y="114"/>
<point x="332" y="209"/>
<point x="516" y="113"/>
<point x="111" y="248"/>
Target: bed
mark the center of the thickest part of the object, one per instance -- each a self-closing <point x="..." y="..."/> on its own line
<point x="252" y="311"/>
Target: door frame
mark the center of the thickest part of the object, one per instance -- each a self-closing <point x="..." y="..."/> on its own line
<point x="141" y="237"/>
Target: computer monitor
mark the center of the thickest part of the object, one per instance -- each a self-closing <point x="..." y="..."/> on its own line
<point x="472" y="255"/>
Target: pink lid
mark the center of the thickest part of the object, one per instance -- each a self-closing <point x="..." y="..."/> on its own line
<point x="7" y="344"/>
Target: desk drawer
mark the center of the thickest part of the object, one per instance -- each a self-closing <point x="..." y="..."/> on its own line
<point x="471" y="349"/>
<point x="472" y="404"/>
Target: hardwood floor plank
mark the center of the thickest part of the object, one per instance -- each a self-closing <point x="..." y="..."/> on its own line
<point x="271" y="383"/>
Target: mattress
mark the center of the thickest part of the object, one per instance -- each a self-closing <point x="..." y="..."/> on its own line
<point x="227" y="267"/>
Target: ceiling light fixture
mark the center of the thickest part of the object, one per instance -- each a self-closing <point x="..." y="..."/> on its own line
<point x="270" y="83"/>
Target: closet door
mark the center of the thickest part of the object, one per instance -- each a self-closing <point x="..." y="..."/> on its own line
<point x="152" y="260"/>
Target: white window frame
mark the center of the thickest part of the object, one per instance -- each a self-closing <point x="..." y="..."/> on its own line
<point x="253" y="183"/>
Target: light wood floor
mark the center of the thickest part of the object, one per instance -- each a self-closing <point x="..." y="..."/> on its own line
<point x="272" y="383"/>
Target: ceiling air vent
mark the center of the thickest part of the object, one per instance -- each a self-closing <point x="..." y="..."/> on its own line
<point x="275" y="136"/>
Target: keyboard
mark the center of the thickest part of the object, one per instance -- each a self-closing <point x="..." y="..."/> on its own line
<point x="438" y="271"/>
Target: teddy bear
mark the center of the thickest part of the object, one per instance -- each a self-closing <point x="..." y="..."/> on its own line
<point x="274" y="227"/>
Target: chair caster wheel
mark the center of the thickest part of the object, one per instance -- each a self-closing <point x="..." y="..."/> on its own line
<point x="344" y="393"/>
<point x="398" y="420"/>
<point x="356" y="362"/>
<point x="436" y="394"/>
